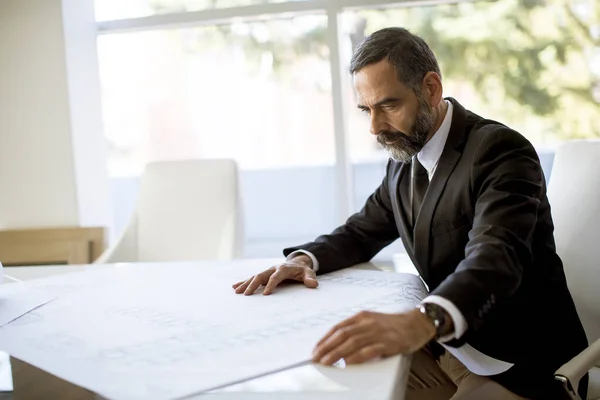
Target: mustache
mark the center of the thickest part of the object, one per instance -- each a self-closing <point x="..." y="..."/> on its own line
<point x="390" y="136"/>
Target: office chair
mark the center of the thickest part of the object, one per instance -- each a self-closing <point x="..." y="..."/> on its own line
<point x="187" y="210"/>
<point x="574" y="194"/>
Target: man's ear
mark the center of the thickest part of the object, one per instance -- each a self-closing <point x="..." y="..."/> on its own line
<point x="432" y="89"/>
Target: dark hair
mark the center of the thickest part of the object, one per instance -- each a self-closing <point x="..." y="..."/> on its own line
<point x="409" y="54"/>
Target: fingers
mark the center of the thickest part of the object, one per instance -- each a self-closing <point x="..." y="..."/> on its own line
<point x="343" y="324"/>
<point x="274" y="276"/>
<point x="366" y="353"/>
<point x="297" y="273"/>
<point x="274" y="280"/>
<point x="254" y="284"/>
<point x="349" y="346"/>
<point x="310" y="278"/>
<point x="236" y="285"/>
<point x="241" y="288"/>
<point x="342" y="342"/>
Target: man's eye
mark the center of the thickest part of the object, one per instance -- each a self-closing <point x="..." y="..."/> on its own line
<point x="388" y="108"/>
<point x="365" y="110"/>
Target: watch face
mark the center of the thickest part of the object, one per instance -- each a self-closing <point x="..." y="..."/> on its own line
<point x="436" y="315"/>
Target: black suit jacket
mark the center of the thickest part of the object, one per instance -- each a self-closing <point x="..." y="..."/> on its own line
<point x="483" y="240"/>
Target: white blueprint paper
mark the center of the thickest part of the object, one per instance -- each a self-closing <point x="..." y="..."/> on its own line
<point x="12" y="306"/>
<point x="142" y="333"/>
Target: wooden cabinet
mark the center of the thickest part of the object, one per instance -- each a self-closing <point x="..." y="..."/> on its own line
<point x="51" y="246"/>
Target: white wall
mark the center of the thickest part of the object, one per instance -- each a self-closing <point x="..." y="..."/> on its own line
<point x="52" y="155"/>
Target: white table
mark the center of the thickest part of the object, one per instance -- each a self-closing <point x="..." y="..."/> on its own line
<point x="384" y="379"/>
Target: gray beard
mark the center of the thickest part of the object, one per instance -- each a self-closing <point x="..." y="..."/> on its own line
<point x="407" y="146"/>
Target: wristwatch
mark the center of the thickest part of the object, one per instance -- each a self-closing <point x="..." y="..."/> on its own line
<point x="437" y="315"/>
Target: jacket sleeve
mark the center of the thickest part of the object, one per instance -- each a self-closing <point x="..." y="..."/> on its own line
<point x="507" y="185"/>
<point x="362" y="236"/>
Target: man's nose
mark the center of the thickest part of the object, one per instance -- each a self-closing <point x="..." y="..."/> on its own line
<point x="378" y="124"/>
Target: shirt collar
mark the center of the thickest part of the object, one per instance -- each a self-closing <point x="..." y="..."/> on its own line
<point x="432" y="151"/>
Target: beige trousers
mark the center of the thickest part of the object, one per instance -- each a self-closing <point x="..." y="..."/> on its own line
<point x="447" y="378"/>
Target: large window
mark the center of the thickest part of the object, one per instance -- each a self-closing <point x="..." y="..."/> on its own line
<point x="257" y="81"/>
<point x="259" y="93"/>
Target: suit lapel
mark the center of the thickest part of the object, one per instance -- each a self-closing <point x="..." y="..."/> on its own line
<point x="448" y="160"/>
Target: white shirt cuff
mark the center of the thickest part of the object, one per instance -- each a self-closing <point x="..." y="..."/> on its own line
<point x="315" y="263"/>
<point x="460" y="323"/>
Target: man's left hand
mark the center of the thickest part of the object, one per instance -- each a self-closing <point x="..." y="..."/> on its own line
<point x="369" y="335"/>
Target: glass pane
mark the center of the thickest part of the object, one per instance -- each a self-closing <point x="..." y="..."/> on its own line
<point x="259" y="93"/>
<point x="107" y="10"/>
<point x="533" y="65"/>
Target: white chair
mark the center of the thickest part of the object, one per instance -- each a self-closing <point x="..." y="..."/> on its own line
<point x="186" y="210"/>
<point x="574" y="194"/>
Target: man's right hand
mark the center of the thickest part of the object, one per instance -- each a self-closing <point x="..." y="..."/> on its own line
<point x="298" y="269"/>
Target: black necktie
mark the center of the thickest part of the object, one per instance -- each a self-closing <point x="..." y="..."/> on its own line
<point x="420" y="184"/>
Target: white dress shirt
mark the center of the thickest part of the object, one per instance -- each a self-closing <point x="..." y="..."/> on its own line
<point x="474" y="360"/>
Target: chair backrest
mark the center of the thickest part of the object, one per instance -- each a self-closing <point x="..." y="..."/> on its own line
<point x="574" y="195"/>
<point x="189" y="210"/>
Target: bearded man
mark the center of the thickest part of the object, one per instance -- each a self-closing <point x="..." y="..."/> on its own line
<point x="467" y="196"/>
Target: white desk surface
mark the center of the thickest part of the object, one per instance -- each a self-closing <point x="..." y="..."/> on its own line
<point x="384" y="379"/>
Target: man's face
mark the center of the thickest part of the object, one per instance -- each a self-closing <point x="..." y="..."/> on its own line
<point x="400" y="119"/>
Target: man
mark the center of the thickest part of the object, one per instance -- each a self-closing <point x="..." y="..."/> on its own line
<point x="468" y="198"/>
